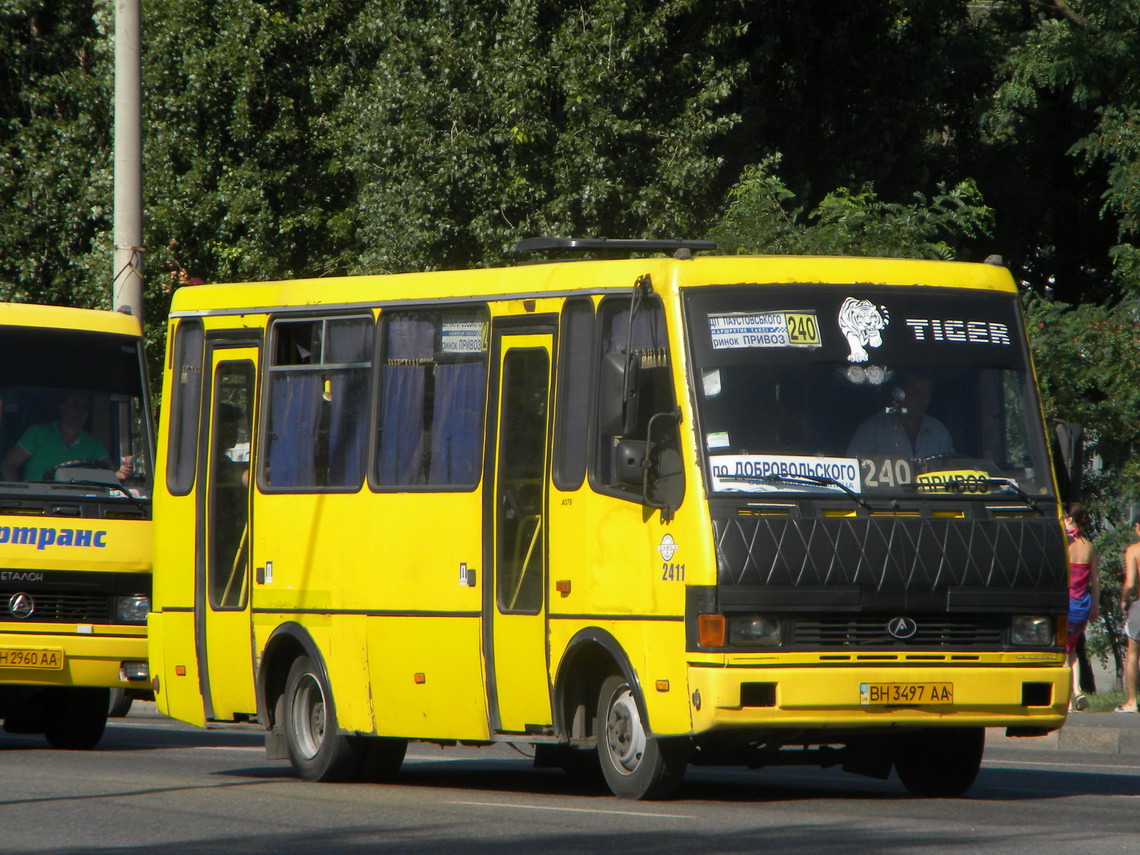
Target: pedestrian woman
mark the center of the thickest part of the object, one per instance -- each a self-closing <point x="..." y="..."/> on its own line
<point x="1084" y="591"/>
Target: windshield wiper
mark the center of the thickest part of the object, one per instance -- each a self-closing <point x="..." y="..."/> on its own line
<point x="815" y="480"/>
<point x="1016" y="488"/>
<point x="117" y="488"/>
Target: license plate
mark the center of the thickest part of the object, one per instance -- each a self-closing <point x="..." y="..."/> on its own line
<point x="18" y="657"/>
<point x="899" y="694"/>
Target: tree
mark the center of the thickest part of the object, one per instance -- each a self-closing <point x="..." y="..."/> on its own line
<point x="759" y="219"/>
<point x="55" y="156"/>
<point x="479" y="123"/>
<point x="1062" y="163"/>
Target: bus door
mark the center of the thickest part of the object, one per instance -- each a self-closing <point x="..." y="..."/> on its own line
<point x="222" y="596"/>
<point x="514" y="604"/>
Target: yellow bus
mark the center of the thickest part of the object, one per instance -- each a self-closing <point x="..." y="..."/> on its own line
<point x="638" y="513"/>
<point x="76" y="448"/>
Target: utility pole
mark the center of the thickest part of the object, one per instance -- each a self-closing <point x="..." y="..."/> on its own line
<point x="127" y="285"/>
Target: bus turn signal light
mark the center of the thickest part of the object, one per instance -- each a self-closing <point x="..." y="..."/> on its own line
<point x="710" y="630"/>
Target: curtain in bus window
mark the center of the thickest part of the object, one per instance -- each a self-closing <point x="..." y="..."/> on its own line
<point x="348" y="428"/>
<point x="409" y="347"/>
<point x="457" y="423"/>
<point x="294" y="410"/>
<point x="349" y="341"/>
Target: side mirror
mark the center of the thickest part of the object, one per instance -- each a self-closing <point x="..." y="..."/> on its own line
<point x="617" y="396"/>
<point x="1068" y="459"/>
<point x="629" y="455"/>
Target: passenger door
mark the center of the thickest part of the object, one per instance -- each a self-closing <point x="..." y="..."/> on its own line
<point x="515" y="514"/>
<point x="222" y="595"/>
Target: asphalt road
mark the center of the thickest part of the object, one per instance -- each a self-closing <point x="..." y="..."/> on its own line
<point x="161" y="787"/>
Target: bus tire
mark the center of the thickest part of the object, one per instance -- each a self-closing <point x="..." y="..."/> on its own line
<point x="380" y="757"/>
<point x="940" y="763"/>
<point x="634" y="764"/>
<point x="120" y="703"/>
<point x="317" y="750"/>
<point x="77" y="718"/>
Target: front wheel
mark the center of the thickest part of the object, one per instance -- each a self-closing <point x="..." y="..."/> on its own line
<point x="316" y="750"/>
<point x="77" y="717"/>
<point x="635" y="765"/>
<point x="941" y="763"/>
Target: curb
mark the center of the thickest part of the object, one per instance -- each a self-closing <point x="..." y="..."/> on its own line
<point x="1084" y="733"/>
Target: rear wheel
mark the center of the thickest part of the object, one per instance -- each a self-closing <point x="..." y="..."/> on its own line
<point x="77" y="717"/>
<point x="940" y="763"/>
<point x="381" y="756"/>
<point x="316" y="749"/>
<point x="635" y="765"/>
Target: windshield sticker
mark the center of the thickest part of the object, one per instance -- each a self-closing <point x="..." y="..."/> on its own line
<point x="761" y="473"/>
<point x="717" y="439"/>
<point x="773" y="329"/>
<point x="862" y="323"/>
<point x="463" y="337"/>
<point x="972" y="332"/>
<point x="957" y="481"/>
<point x="711" y="382"/>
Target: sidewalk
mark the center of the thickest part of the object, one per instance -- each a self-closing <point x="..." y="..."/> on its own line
<point x="1088" y="733"/>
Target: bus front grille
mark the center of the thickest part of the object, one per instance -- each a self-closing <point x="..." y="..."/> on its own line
<point x="866" y="631"/>
<point x="56" y="608"/>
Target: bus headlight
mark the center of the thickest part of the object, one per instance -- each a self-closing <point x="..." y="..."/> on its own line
<point x="1032" y="630"/>
<point x="132" y="609"/>
<point x="753" y="631"/>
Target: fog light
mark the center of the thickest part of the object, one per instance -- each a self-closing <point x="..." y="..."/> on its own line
<point x="1032" y="630"/>
<point x="133" y="671"/>
<point x="132" y="609"/>
<point x="754" y="631"/>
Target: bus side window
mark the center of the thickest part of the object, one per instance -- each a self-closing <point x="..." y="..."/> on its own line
<point x="432" y="370"/>
<point x="572" y="409"/>
<point x="654" y="393"/>
<point x="318" y="393"/>
<point x="182" y="454"/>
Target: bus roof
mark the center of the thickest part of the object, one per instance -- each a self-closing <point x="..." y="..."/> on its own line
<point x="67" y="318"/>
<point x="568" y="277"/>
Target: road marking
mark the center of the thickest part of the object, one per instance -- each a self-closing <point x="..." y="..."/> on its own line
<point x="572" y="810"/>
<point x="230" y="747"/>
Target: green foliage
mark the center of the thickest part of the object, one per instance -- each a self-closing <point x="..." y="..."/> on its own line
<point x="243" y="179"/>
<point x="1087" y="367"/>
<point x="474" y="128"/>
<point x="759" y="219"/>
<point x="1062" y="163"/>
<point x="55" y="158"/>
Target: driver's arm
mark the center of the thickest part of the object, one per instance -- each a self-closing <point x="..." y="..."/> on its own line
<point x="13" y="460"/>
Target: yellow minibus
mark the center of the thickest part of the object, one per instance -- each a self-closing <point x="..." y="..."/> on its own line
<point x="638" y="513"/>
<point x="76" y="452"/>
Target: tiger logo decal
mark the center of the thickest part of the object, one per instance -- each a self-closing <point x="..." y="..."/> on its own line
<point x="862" y="323"/>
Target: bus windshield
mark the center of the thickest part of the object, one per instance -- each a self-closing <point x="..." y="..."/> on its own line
<point x="72" y="415"/>
<point x="865" y="390"/>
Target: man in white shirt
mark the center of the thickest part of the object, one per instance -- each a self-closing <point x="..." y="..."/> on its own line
<point x="905" y="429"/>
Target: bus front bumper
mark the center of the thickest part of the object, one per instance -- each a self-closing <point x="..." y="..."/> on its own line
<point x="828" y="698"/>
<point x="79" y="659"/>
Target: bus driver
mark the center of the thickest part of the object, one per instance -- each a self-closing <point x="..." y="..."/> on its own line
<point x="904" y="428"/>
<point x="42" y="447"/>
